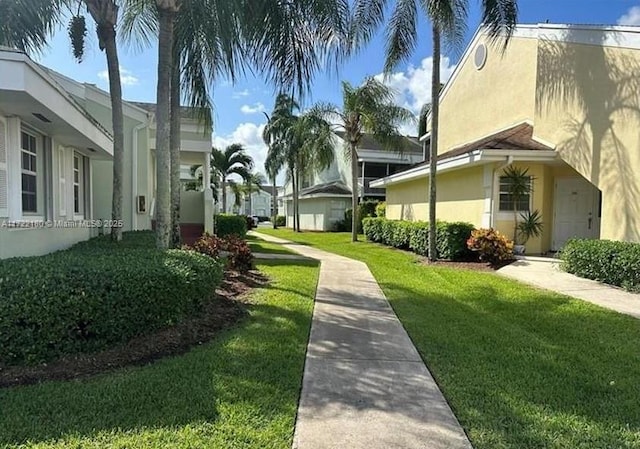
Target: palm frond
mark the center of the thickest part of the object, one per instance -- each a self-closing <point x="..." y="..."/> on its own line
<point x="29" y="24"/>
<point x="500" y="18"/>
<point x="401" y="34"/>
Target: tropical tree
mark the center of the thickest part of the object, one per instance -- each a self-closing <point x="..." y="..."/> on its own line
<point x="252" y="185"/>
<point x="272" y="166"/>
<point x="368" y="108"/>
<point x="27" y="24"/>
<point x="238" y="195"/>
<point x="302" y="143"/>
<point x="233" y="160"/>
<point x="448" y="22"/>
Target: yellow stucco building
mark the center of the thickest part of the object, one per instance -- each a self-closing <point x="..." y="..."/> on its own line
<point x="560" y="100"/>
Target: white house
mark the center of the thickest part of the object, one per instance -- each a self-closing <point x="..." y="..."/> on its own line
<point x="325" y="196"/>
<point x="56" y="166"/>
<point x="258" y="204"/>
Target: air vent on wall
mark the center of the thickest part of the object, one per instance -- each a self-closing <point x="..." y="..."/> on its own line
<point x="41" y="117"/>
<point x="480" y="56"/>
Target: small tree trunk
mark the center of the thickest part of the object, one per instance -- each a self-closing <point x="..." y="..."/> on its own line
<point x="274" y="203"/>
<point x="176" y="238"/>
<point x="433" y="155"/>
<point x="224" y="194"/>
<point x="354" y="192"/>
<point x="105" y="14"/>
<point x="163" y="128"/>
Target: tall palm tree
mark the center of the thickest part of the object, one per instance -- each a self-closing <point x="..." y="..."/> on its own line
<point x="252" y="185"/>
<point x="304" y="143"/>
<point x="272" y="166"/>
<point x="238" y="195"/>
<point x="448" y="22"/>
<point x="368" y="108"/>
<point x="220" y="37"/>
<point x="27" y="24"/>
<point x="233" y="160"/>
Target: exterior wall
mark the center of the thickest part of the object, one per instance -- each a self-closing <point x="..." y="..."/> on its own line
<point x="55" y="196"/>
<point x="460" y="197"/>
<point x="315" y="213"/>
<point x="587" y="103"/>
<point x="191" y="207"/>
<point x="501" y="94"/>
<point x="36" y="242"/>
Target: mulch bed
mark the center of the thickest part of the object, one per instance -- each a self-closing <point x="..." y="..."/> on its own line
<point x="467" y="265"/>
<point x="223" y="312"/>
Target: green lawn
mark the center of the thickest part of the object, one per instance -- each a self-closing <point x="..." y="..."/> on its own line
<point x="239" y="391"/>
<point x="260" y="246"/>
<point x="522" y="368"/>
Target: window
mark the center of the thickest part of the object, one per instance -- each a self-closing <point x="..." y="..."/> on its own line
<point x="78" y="184"/>
<point x="29" y="173"/>
<point x="337" y="211"/>
<point x="506" y="201"/>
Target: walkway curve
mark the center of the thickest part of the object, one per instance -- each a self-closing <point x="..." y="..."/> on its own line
<point x="364" y="384"/>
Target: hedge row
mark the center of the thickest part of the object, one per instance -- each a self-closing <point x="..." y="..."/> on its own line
<point x="228" y="224"/>
<point x="614" y="263"/>
<point x="451" y="238"/>
<point x="94" y="295"/>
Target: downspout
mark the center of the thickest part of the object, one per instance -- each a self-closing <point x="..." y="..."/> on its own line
<point x="134" y="175"/>
<point x="493" y="188"/>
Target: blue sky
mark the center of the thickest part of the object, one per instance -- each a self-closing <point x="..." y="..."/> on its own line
<point x="238" y="116"/>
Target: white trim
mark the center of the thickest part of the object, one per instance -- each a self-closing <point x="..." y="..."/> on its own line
<point x="4" y="169"/>
<point x="475" y="157"/>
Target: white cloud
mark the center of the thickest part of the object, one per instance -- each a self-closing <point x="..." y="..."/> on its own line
<point x="632" y="17"/>
<point x="255" y="109"/>
<point x="126" y="77"/>
<point x="413" y="86"/>
<point x="240" y="94"/>
<point x="250" y="136"/>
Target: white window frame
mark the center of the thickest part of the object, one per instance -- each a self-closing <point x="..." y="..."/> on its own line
<point x="78" y="182"/>
<point x="510" y="211"/>
<point x="38" y="174"/>
<point x="4" y="167"/>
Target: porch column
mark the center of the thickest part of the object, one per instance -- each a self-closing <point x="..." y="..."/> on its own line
<point x="488" y="180"/>
<point x="208" y="194"/>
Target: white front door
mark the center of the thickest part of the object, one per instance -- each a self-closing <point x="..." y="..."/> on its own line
<point x="576" y="211"/>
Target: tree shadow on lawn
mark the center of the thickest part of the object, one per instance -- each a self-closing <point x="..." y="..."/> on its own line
<point x="523" y="367"/>
<point x="255" y="369"/>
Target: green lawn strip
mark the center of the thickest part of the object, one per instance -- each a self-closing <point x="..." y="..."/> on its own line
<point x="260" y="246"/>
<point x="239" y="391"/>
<point x="522" y="368"/>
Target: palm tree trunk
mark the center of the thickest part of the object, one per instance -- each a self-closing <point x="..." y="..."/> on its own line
<point x="175" y="152"/>
<point x="294" y="198"/>
<point x="274" y="203"/>
<point x="163" y="127"/>
<point x="105" y="14"/>
<point x="354" y="192"/>
<point x="224" y="194"/>
<point x="433" y="155"/>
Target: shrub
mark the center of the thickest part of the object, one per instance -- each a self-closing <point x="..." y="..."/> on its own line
<point x="227" y="224"/>
<point x="491" y="245"/>
<point x="381" y="209"/>
<point x="451" y="238"/>
<point x="281" y="220"/>
<point x="209" y="245"/>
<point x="86" y="299"/>
<point x="615" y="263"/>
<point x="240" y="257"/>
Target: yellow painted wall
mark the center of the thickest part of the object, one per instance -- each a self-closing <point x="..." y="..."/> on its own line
<point x="483" y="101"/>
<point x="587" y="103"/>
<point x="459" y="194"/>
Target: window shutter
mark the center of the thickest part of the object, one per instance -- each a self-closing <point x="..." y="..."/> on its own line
<point x="62" y="183"/>
<point x="4" y="172"/>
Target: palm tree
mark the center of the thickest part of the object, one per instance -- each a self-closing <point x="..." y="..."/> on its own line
<point x="233" y="160"/>
<point x="26" y="24"/>
<point x="251" y="185"/>
<point x="304" y="143"/>
<point x="368" y="108"/>
<point x="272" y="166"/>
<point x="448" y="21"/>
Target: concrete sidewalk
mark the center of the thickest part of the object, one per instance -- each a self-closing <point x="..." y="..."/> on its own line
<point x="545" y="273"/>
<point x="365" y="385"/>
